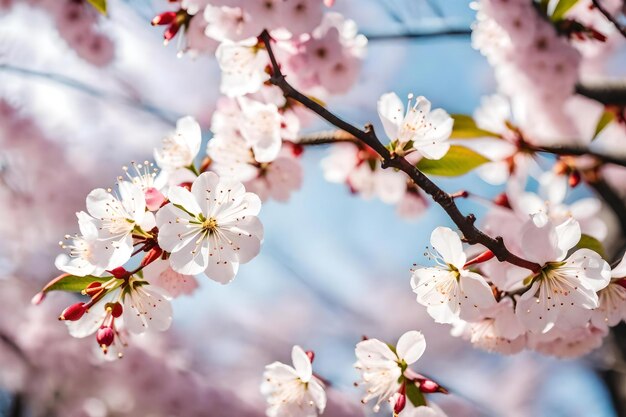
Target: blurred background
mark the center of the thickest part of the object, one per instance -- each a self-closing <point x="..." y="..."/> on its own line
<point x="333" y="267"/>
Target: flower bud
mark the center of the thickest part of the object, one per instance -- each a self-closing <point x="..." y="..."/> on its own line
<point x="483" y="257"/>
<point x="92" y="289"/>
<point x="116" y="309"/>
<point x="105" y="337"/>
<point x="152" y="255"/>
<point x="502" y="200"/>
<point x="297" y="149"/>
<point x="311" y="355"/>
<point x="429" y="386"/>
<point x="400" y="404"/>
<point x="574" y="179"/>
<point x="38" y="298"/>
<point x="73" y="312"/>
<point x="154" y="199"/>
<point x="170" y="32"/>
<point x="164" y="18"/>
<point x="120" y="272"/>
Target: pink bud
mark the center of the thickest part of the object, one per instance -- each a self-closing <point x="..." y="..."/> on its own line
<point x="311" y="355"/>
<point x="154" y="199"/>
<point x="38" y="298"/>
<point x="105" y="336"/>
<point x="297" y="149"/>
<point x="73" y="312"/>
<point x="164" y="18"/>
<point x="93" y="289"/>
<point x="329" y="3"/>
<point x="502" y="200"/>
<point x="429" y="386"/>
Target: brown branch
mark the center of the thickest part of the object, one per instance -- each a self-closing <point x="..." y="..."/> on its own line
<point x="390" y="160"/>
<point x="409" y="35"/>
<point x="324" y="138"/>
<point x="608" y="92"/>
<point x="621" y="29"/>
<point x="563" y="150"/>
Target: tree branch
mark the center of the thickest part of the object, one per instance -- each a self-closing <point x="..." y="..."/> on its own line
<point x="408" y="35"/>
<point x="621" y="29"/>
<point x="334" y="136"/>
<point x="389" y="160"/>
<point x="607" y="92"/>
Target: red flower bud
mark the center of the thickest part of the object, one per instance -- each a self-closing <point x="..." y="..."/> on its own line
<point x="105" y="337"/>
<point x="164" y="18"/>
<point x="115" y="308"/>
<point x="400" y="404"/>
<point x="502" y="200"/>
<point x="120" y="272"/>
<point x="574" y="179"/>
<point x="73" y="312"/>
<point x="311" y="355"/>
<point x="154" y="254"/>
<point x="483" y="257"/>
<point x="297" y="149"/>
<point x="429" y="386"/>
<point x="186" y="185"/>
<point x="93" y="289"/>
<point x="170" y="32"/>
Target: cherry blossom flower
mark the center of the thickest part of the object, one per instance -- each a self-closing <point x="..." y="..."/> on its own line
<point x="381" y="367"/>
<point x="181" y="147"/>
<point x="116" y="219"/>
<point x="563" y="293"/>
<point x="612" y="299"/>
<point x="427" y="131"/>
<point x="261" y="128"/>
<point x="450" y="290"/>
<point x="84" y="250"/>
<point x="212" y="228"/>
<point x="293" y="391"/>
<point x="243" y="67"/>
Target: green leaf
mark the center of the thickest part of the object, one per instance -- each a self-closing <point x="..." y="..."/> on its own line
<point x="561" y="8"/>
<point x="606" y="118"/>
<point x="99" y="5"/>
<point x="72" y="283"/>
<point x="414" y="394"/>
<point x="465" y="128"/>
<point x="588" y="242"/>
<point x="458" y="161"/>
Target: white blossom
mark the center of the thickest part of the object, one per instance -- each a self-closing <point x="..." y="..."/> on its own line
<point x="181" y="147"/>
<point x="293" y="391"/>
<point x="450" y="290"/>
<point x="212" y="228"/>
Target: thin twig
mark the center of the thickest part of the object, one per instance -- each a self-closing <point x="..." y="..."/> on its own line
<point x="621" y="29"/>
<point x="408" y="35"/>
<point x="389" y="160"/>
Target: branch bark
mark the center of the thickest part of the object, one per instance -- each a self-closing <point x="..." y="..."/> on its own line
<point x="465" y="223"/>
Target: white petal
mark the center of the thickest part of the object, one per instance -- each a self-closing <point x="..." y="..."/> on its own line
<point x="620" y="270"/>
<point x="301" y="363"/>
<point x="318" y="394"/>
<point x="568" y="235"/>
<point x="182" y="197"/>
<point x="434" y="150"/>
<point x="191" y="133"/>
<point x="411" y="346"/>
<point x="449" y="245"/>
<point x="391" y="113"/>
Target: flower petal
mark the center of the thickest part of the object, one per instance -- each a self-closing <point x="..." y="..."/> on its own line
<point x="411" y="346"/>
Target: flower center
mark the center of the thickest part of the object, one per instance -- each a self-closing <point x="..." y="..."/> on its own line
<point x="209" y="225"/>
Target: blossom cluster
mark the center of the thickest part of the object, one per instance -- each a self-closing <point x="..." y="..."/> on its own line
<point x="77" y="25"/>
<point x="142" y="243"/>
<point x="385" y="374"/>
